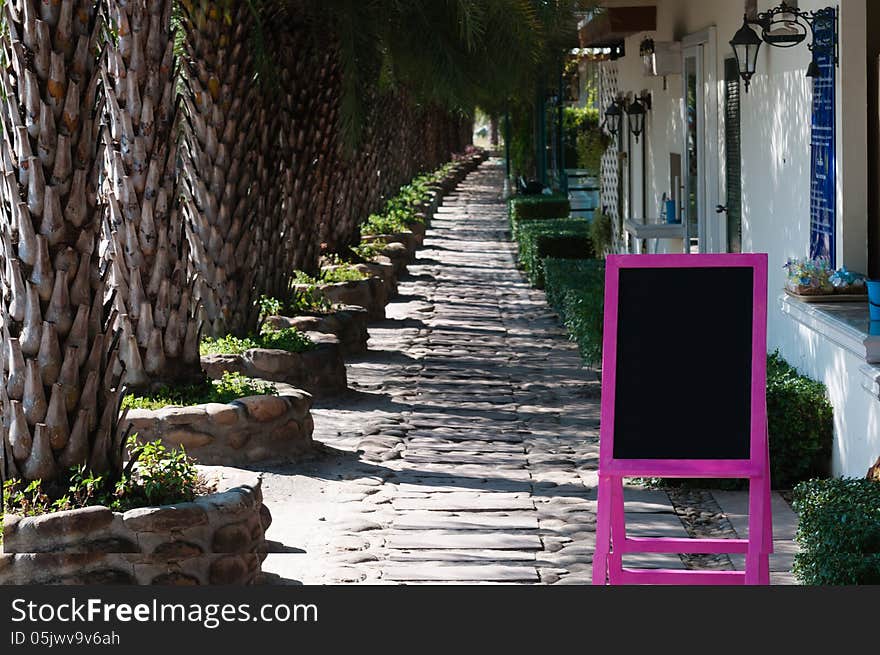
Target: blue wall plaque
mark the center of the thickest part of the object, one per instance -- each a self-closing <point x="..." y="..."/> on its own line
<point x="823" y="175"/>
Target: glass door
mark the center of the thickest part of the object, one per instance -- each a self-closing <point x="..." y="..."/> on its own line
<point x="693" y="175"/>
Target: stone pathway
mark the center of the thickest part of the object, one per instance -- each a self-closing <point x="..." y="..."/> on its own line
<point x="467" y="449"/>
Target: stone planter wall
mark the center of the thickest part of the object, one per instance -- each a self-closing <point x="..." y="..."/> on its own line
<point x="383" y="269"/>
<point x="407" y="239"/>
<point x="246" y="431"/>
<point x="369" y="294"/>
<point x="348" y="323"/>
<point x="216" y="539"/>
<point x="320" y="372"/>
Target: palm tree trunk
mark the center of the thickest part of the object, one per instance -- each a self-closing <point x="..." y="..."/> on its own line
<point x="143" y="225"/>
<point x="61" y="373"/>
<point x="222" y="163"/>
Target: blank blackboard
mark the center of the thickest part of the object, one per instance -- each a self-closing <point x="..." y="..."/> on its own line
<point x="684" y="363"/>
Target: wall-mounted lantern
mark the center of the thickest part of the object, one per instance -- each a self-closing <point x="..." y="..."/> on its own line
<point x="782" y="27"/>
<point x="635" y="114"/>
<point x="614" y="116"/>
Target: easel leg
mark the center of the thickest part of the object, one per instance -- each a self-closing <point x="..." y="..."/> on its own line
<point x="603" y="532"/>
<point x="618" y="531"/>
<point x="767" y="533"/>
<point x="757" y="556"/>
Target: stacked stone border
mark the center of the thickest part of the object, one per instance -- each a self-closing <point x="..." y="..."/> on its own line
<point x="251" y="430"/>
<point x="348" y="323"/>
<point x="319" y="372"/>
<point x="216" y="539"/>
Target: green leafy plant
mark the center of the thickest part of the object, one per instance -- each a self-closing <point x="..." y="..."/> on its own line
<point x="801" y="424"/>
<point x="154" y="475"/>
<point x="228" y="345"/>
<point x="289" y="339"/>
<point x="602" y="233"/>
<point x="229" y="387"/>
<point x="838" y="532"/>
<point x="384" y="224"/>
<point x="270" y="307"/>
<point x="557" y="238"/>
<point x="576" y="290"/>
<point x="344" y="272"/>
<point x="370" y="249"/>
<point x="585" y="140"/>
<point x="162" y="476"/>
<point x="337" y="272"/>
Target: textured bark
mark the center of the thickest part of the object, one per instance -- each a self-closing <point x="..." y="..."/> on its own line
<point x="223" y="164"/>
<point x="146" y="244"/>
<point x="61" y="372"/>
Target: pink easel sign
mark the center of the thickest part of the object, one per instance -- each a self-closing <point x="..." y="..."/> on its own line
<point x="684" y="376"/>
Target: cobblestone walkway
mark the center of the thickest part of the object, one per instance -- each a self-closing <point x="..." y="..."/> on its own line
<point x="468" y="448"/>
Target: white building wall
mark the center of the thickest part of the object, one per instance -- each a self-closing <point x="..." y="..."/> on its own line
<point x="776" y="115"/>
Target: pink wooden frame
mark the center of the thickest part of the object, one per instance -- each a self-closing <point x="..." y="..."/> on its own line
<point x="611" y="540"/>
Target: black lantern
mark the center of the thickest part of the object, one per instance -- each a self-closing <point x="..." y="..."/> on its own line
<point x="613" y="116"/>
<point x="635" y="115"/>
<point x="785" y="27"/>
<point x="745" y="44"/>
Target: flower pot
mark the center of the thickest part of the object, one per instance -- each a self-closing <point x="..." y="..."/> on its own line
<point x="874" y="299"/>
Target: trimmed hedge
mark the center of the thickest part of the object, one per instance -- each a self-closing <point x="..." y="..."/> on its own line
<point x="523" y="208"/>
<point x="801" y="424"/>
<point x="576" y="290"/>
<point x="563" y="238"/>
<point x="838" y="532"/>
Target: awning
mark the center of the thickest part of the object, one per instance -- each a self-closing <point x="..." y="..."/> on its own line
<point x="611" y="25"/>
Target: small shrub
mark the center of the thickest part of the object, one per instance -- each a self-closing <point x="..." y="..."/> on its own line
<point x="339" y="271"/>
<point x="270" y="307"/>
<point x="576" y="290"/>
<point x="601" y="233"/>
<point x="369" y="250"/>
<point x="289" y="339"/>
<point x="342" y="273"/>
<point x="228" y="345"/>
<point x="232" y="386"/>
<point x="559" y="238"/>
<point x="838" y="532"/>
<point x="229" y="387"/>
<point x="801" y="424"/>
<point x="384" y="224"/>
<point x="154" y="475"/>
<point x="524" y="208"/>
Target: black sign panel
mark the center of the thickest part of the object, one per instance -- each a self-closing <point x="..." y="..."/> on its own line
<point x="684" y="363"/>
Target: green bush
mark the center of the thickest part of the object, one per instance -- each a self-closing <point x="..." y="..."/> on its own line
<point x="585" y="140"/>
<point x="154" y="475"/>
<point x="337" y="271"/>
<point x="801" y="425"/>
<point x="576" y="290"/>
<point x="289" y="339"/>
<point x="402" y="211"/>
<point x="524" y="208"/>
<point x="558" y="238"/>
<point x="228" y="388"/>
<point x="838" y="532"/>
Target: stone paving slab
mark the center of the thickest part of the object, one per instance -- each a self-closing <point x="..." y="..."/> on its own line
<point x="451" y="555"/>
<point x="735" y="505"/>
<point x="427" y="520"/>
<point x="446" y="502"/>
<point x="459" y="573"/>
<point x="481" y="541"/>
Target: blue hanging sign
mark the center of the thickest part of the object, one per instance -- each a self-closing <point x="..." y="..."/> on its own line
<point x="823" y="177"/>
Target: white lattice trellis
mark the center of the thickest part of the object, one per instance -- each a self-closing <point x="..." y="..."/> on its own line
<point x="608" y="177"/>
